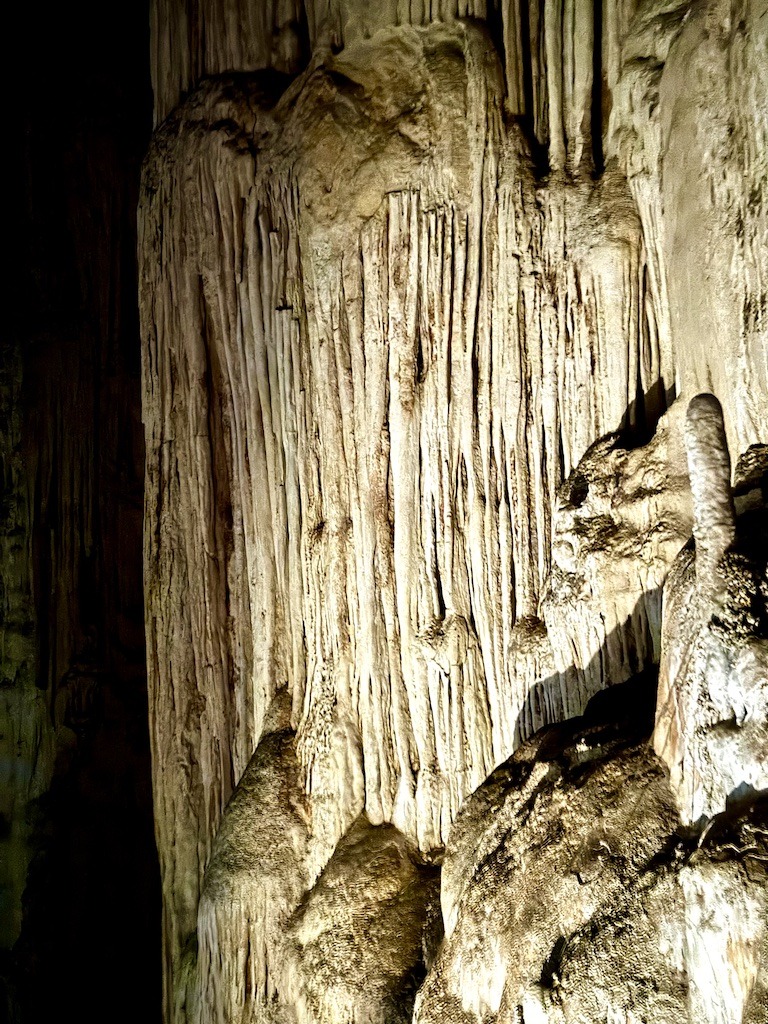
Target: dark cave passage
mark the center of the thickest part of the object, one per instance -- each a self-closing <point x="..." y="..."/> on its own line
<point x="79" y="815"/>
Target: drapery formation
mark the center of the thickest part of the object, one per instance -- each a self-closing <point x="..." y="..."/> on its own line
<point x="388" y="305"/>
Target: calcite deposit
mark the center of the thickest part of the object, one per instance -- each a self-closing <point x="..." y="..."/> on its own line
<point x="571" y="892"/>
<point x="712" y="717"/>
<point x="426" y="289"/>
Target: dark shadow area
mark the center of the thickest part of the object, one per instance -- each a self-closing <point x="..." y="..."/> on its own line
<point x="629" y="703"/>
<point x="639" y="422"/>
<point x="539" y="151"/>
<point x="80" y="120"/>
<point x="600" y="91"/>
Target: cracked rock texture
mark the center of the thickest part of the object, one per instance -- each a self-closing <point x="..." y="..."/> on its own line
<point x="419" y="285"/>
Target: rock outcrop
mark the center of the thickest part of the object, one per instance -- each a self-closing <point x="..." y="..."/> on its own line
<point x="258" y="871"/>
<point x="571" y="891"/>
<point x="355" y="947"/>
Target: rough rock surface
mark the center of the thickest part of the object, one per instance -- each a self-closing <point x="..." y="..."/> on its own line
<point x="571" y="893"/>
<point x="399" y="294"/>
<point x="368" y="911"/>
<point x="712" y="718"/>
<point x="338" y="447"/>
<point x="619" y="521"/>
<point x="258" y="871"/>
<point x="688" y="126"/>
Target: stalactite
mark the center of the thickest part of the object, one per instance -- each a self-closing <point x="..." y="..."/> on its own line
<point x="191" y="41"/>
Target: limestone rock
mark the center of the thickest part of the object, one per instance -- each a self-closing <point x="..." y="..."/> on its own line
<point x="399" y="294"/>
<point x="620" y="519"/>
<point x="571" y="893"/>
<point x="355" y="945"/>
<point x="258" y="871"/>
<point x="726" y="945"/>
<point x="355" y="458"/>
<point x="712" y="717"/>
<point x="688" y="125"/>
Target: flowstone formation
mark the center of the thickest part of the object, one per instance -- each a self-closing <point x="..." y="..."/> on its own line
<point x="576" y="886"/>
<point x="415" y="290"/>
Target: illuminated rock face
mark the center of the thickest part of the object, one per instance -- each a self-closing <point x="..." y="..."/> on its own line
<point x="412" y="321"/>
<point x="571" y="893"/>
<point x="712" y="718"/>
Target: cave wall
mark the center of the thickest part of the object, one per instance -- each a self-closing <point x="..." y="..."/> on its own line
<point x="79" y="887"/>
<point x="402" y="271"/>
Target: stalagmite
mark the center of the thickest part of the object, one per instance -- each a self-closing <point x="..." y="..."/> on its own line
<point x="355" y="946"/>
<point x="258" y="871"/>
<point x="712" y="718"/>
<point x="709" y="463"/>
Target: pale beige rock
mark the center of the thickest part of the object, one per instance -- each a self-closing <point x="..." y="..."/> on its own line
<point x="620" y="519"/>
<point x="379" y="349"/>
<point x="570" y="894"/>
<point x="712" y="716"/>
<point x="688" y="125"/>
<point x="191" y="40"/>
<point x="709" y="463"/>
<point x="258" y="871"/>
<point x="352" y="459"/>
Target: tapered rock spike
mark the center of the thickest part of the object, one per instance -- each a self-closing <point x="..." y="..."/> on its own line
<point x="709" y="466"/>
